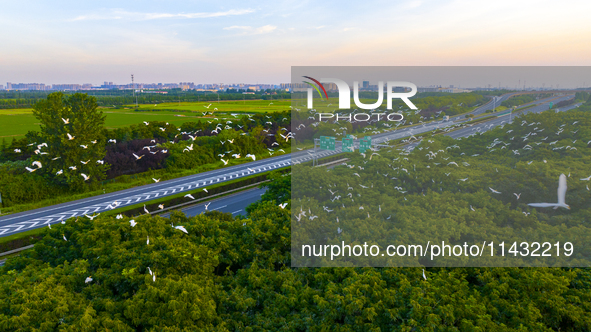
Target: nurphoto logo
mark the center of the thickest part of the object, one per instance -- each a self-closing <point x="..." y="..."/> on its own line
<point x="345" y="93"/>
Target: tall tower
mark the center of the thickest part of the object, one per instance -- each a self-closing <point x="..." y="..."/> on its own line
<point x="133" y="87"/>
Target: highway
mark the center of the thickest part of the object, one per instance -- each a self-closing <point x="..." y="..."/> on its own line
<point x="41" y="217"/>
<point x="234" y="204"/>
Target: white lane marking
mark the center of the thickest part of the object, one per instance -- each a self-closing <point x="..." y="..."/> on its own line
<point x="236" y="211"/>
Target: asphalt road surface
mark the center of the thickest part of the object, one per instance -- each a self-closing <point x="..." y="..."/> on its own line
<point x="235" y="204"/>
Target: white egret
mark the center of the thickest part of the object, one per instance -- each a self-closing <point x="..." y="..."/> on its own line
<point x="561" y="196"/>
<point x="91" y="217"/>
<point x="189" y="196"/>
<point x="494" y="191"/>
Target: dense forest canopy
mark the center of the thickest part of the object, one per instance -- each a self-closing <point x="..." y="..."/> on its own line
<point x="235" y="274"/>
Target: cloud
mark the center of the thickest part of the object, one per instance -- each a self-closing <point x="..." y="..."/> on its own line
<point x="252" y="30"/>
<point x="121" y="14"/>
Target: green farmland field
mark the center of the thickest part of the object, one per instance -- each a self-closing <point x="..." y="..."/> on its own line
<point x="15" y="123"/>
<point x="235" y="106"/>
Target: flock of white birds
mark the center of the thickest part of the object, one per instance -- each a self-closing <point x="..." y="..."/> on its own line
<point x="188" y="148"/>
<point x="439" y="159"/>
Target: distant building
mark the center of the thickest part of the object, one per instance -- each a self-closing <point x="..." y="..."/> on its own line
<point x="187" y="85"/>
<point x="365" y="85"/>
<point x="66" y="87"/>
<point x="26" y="86"/>
<point x="1" y="87"/>
<point x="428" y="89"/>
<point x="152" y="91"/>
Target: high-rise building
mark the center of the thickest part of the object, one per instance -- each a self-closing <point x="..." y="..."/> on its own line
<point x="25" y="86"/>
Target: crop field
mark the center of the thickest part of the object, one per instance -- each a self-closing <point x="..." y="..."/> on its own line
<point x="15" y="123"/>
<point x="234" y="106"/>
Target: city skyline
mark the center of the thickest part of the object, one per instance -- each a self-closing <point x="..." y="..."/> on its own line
<point x="65" y="42"/>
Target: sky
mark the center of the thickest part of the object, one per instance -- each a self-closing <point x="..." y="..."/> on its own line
<point x="56" y="42"/>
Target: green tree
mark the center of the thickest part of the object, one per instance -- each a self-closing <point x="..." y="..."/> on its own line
<point x="72" y="127"/>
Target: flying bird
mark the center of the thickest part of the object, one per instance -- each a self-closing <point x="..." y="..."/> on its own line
<point x="517" y="195"/>
<point x="70" y="137"/>
<point x="91" y="217"/>
<point x="181" y="228"/>
<point x="205" y="189"/>
<point x="156" y="180"/>
<point x="86" y="177"/>
<point x="132" y="223"/>
<point x="88" y="279"/>
<point x="146" y="210"/>
<point x="494" y="191"/>
<point x="137" y="157"/>
<point x="283" y="205"/>
<point x="561" y="196"/>
<point x="66" y="121"/>
<point x="189" y="196"/>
